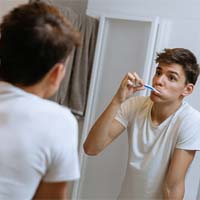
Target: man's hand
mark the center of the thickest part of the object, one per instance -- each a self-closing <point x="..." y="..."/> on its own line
<point x="129" y="85"/>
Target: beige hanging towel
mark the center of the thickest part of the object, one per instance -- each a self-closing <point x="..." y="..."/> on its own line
<point x="73" y="91"/>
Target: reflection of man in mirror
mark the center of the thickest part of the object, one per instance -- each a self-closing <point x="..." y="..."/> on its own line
<point x="38" y="150"/>
<point x="163" y="130"/>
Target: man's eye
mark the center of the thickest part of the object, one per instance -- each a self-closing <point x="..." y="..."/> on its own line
<point x="158" y="73"/>
<point x="172" y="78"/>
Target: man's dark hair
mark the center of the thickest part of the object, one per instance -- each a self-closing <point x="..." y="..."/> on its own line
<point x="34" y="37"/>
<point x="183" y="57"/>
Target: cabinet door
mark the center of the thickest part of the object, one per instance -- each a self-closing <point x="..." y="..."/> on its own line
<point x="124" y="45"/>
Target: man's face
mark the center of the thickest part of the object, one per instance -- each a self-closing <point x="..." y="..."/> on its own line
<point x="170" y="81"/>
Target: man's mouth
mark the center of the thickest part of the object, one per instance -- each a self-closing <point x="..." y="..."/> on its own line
<point x="157" y="92"/>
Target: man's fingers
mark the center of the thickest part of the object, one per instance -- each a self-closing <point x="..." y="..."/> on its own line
<point x="134" y="80"/>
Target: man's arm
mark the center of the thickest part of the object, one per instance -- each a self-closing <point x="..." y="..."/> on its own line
<point x="106" y="128"/>
<point x="51" y="191"/>
<point x="104" y="131"/>
<point x="174" y="184"/>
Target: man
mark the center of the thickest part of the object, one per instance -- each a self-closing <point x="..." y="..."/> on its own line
<point x="163" y="130"/>
<point x="38" y="150"/>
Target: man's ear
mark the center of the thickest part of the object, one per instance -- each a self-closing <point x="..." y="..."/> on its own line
<point x="56" y="74"/>
<point x="188" y="89"/>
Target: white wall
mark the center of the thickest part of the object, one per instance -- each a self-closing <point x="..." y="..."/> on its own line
<point x="162" y="8"/>
<point x="185" y="33"/>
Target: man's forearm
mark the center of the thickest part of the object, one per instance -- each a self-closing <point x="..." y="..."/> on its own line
<point x="98" y="136"/>
<point x="174" y="192"/>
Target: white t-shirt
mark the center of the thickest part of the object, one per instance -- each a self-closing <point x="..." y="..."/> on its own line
<point x="38" y="141"/>
<point x="151" y="147"/>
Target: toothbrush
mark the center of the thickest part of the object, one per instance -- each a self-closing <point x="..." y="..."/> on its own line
<point x="146" y="86"/>
<point x="151" y="88"/>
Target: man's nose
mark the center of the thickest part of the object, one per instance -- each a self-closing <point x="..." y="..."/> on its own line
<point x="159" y="80"/>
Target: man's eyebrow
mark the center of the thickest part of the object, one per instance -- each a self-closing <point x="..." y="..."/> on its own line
<point x="158" y="68"/>
<point x="175" y="73"/>
<point x="170" y="71"/>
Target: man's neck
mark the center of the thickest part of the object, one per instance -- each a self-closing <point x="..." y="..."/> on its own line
<point x="160" y="112"/>
<point x="34" y="89"/>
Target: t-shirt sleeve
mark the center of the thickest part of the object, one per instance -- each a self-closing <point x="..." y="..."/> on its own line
<point x="64" y="164"/>
<point x="127" y="111"/>
<point x="189" y="136"/>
